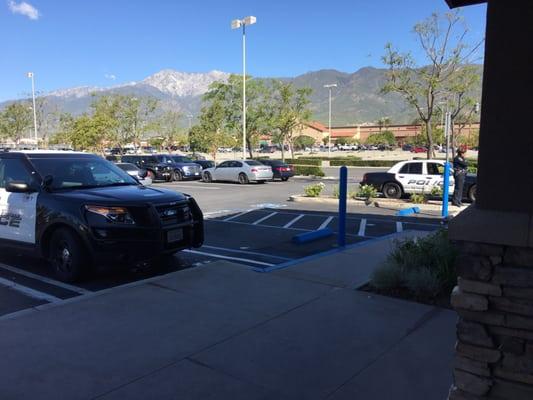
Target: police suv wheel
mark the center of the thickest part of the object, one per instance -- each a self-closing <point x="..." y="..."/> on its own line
<point x="472" y="193"/>
<point x="177" y="176"/>
<point x="67" y="255"/>
<point x="392" y="190"/>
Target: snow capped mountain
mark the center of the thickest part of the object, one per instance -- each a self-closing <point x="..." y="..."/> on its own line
<point x="182" y="83"/>
<point x="77" y="92"/>
<point x="168" y="81"/>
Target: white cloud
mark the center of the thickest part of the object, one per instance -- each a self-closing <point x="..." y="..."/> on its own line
<point x="110" y="76"/>
<point x="24" y="8"/>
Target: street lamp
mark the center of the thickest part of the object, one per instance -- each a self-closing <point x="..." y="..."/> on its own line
<point x="330" y="86"/>
<point x="30" y="75"/>
<point x="236" y="24"/>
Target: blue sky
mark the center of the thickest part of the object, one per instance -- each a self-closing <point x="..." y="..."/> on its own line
<point x="103" y="42"/>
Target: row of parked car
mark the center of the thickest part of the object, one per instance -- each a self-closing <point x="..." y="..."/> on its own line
<point x="171" y="167"/>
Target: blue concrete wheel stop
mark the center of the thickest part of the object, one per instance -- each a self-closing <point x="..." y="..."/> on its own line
<point x="408" y="211"/>
<point x="312" y="236"/>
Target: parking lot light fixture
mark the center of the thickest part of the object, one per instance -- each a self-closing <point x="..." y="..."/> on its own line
<point x="30" y="75"/>
<point x="329" y="86"/>
<point x="236" y="24"/>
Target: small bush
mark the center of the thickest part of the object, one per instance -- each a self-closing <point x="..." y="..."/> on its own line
<point x="367" y="191"/>
<point x="336" y="191"/>
<point x="423" y="267"/>
<point x="418" y="198"/>
<point x="308" y="170"/>
<point x="314" y="190"/>
<point x="436" y="191"/>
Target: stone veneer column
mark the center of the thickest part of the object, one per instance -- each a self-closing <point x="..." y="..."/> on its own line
<point x="494" y="300"/>
<point x="494" y="295"/>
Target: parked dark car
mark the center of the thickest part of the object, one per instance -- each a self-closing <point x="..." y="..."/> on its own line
<point x="78" y="210"/>
<point x="168" y="167"/>
<point x="407" y="147"/>
<point x="157" y="170"/>
<point x="280" y="169"/>
<point x="205" y="163"/>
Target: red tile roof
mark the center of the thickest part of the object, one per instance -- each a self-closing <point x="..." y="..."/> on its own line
<point x="317" y="125"/>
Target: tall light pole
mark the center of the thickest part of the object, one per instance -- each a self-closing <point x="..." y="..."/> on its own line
<point x="236" y="24"/>
<point x="330" y="86"/>
<point x="30" y="75"/>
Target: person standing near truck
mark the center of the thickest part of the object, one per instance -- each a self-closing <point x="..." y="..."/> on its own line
<point x="460" y="166"/>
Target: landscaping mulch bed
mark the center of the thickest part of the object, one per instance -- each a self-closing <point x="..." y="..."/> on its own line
<point x="442" y="301"/>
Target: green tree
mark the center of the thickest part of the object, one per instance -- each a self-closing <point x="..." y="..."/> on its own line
<point x="16" y="120"/>
<point x="442" y="39"/>
<point x="228" y="96"/>
<point x="385" y="137"/>
<point x="168" y="128"/>
<point x="303" y="141"/>
<point x="290" y="110"/>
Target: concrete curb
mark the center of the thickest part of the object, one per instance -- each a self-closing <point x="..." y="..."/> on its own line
<point x="378" y="203"/>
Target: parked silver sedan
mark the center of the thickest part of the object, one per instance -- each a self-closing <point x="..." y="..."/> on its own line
<point x="238" y="171"/>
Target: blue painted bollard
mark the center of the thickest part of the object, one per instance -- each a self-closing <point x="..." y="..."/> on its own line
<point x="311" y="236"/>
<point x="408" y="211"/>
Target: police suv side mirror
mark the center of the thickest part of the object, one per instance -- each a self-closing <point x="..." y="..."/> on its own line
<point x="18" y="187"/>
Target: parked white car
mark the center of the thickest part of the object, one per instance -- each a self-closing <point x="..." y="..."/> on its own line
<point x="238" y="171"/>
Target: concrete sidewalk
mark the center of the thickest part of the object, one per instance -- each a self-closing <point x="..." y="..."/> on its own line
<point x="224" y="331"/>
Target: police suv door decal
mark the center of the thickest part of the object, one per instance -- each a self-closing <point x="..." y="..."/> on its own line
<point x="18" y="213"/>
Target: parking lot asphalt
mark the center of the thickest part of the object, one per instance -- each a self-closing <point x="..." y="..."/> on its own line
<point x="248" y="224"/>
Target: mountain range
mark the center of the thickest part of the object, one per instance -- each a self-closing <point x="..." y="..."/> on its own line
<point x="355" y="100"/>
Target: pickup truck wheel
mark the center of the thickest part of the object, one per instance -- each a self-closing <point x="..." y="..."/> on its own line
<point x="472" y="193"/>
<point x="285" y="179"/>
<point x="67" y="255"/>
<point x="392" y="190"/>
<point x="177" y="176"/>
<point x="243" y="179"/>
<point x="207" y="177"/>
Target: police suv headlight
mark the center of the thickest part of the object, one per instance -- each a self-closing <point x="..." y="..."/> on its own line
<point x="118" y="215"/>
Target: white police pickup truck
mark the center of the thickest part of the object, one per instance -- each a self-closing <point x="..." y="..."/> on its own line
<point x="416" y="176"/>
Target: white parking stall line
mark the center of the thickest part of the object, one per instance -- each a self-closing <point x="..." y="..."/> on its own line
<point x="325" y="223"/>
<point x="362" y="228"/>
<point x="203" y="253"/>
<point x="293" y="221"/>
<point x="237" y="216"/>
<point x="195" y="187"/>
<point x="264" y="218"/>
<point x="399" y="226"/>
<point x="44" y="279"/>
<point x="246" y="252"/>
<point x="29" y="291"/>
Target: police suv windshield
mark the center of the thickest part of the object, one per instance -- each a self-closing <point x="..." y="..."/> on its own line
<point x="81" y="173"/>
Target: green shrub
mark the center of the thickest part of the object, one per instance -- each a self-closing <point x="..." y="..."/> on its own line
<point x="424" y="267"/>
<point x="363" y="163"/>
<point x="304" y="161"/>
<point x="418" y="198"/>
<point x="314" y="190"/>
<point x="308" y="170"/>
<point x="436" y="191"/>
<point x="367" y="191"/>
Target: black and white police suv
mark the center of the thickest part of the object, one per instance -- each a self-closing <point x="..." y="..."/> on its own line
<point x="416" y="176"/>
<point x="78" y="210"/>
